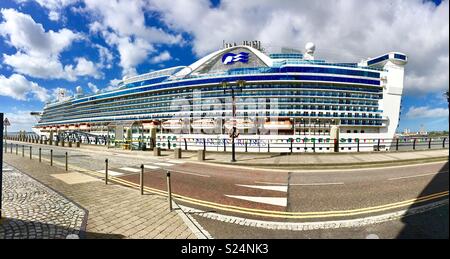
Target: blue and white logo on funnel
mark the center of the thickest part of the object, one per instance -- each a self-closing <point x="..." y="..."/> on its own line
<point x="231" y="58"/>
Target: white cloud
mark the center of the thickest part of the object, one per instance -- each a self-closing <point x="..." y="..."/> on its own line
<point x="22" y="32"/>
<point x="344" y="31"/>
<point x="83" y="67"/>
<point x="132" y="52"/>
<point x="122" y="24"/>
<point x="19" y="88"/>
<point x="20" y="120"/>
<point x="38" y="51"/>
<point x="54" y="7"/>
<point x="105" y="56"/>
<point x="94" y="88"/>
<point x="426" y="112"/>
<point x="164" y="56"/>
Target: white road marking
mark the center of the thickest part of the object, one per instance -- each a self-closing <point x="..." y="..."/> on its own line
<point x="151" y="167"/>
<point x="314" y="184"/>
<point x="129" y="169"/>
<point x="277" y="201"/>
<point x="110" y="172"/>
<point x="272" y="183"/>
<point x="163" y="164"/>
<point x="201" y="175"/>
<point x="413" y="176"/>
<point x="279" y="188"/>
<point x="176" y="162"/>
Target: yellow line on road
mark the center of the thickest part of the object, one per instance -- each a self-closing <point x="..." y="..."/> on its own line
<point x="272" y="213"/>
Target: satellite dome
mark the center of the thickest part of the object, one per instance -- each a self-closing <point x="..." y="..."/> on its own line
<point x="79" y="90"/>
<point x="310" y="47"/>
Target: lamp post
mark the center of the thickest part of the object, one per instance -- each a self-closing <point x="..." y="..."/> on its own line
<point x="233" y="135"/>
<point x="1" y="162"/>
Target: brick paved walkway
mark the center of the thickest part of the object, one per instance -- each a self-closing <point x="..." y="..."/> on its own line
<point x="114" y="211"/>
<point x="33" y="211"/>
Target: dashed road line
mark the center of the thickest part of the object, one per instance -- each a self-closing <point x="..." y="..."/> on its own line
<point x="414" y="176"/>
<point x="314" y="184"/>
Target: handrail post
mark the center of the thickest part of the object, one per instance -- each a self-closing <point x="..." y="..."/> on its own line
<point x="429" y="144"/>
<point x="414" y="144"/>
<point x="357" y="141"/>
<point x="23" y="150"/>
<point x="17" y="149"/>
<point x="246" y="146"/>
<point x="443" y="143"/>
<point x="141" y="180"/>
<point x="185" y="144"/>
<point x="106" y="171"/>
<point x="51" y="157"/>
<point x="378" y="145"/>
<point x="396" y="145"/>
<point x="204" y="144"/>
<point x="169" y="190"/>
<point x="40" y="155"/>
<point x="31" y="153"/>
<point x="67" y="162"/>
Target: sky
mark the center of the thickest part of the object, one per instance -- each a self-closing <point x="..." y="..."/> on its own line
<point x="48" y="45"/>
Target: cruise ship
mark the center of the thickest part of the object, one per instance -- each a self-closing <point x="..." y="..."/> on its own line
<point x="288" y="101"/>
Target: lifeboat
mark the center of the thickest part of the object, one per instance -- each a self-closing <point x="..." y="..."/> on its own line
<point x="281" y="125"/>
<point x="85" y="126"/>
<point x="172" y="124"/>
<point x="204" y="124"/>
<point x="240" y="124"/>
<point x="150" y="124"/>
<point x="72" y="127"/>
<point x="63" y="127"/>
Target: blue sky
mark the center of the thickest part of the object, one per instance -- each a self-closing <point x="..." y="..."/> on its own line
<point x="50" y="44"/>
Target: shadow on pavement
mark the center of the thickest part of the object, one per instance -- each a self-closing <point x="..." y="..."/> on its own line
<point x="432" y="224"/>
<point x="12" y="228"/>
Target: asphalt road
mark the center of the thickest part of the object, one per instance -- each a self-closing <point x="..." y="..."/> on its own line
<point x="261" y="189"/>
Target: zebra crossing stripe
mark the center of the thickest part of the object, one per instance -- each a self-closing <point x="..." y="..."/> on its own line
<point x="163" y="164"/>
<point x="151" y="167"/>
<point x="110" y="172"/>
<point x="176" y="162"/>
<point x="129" y="169"/>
